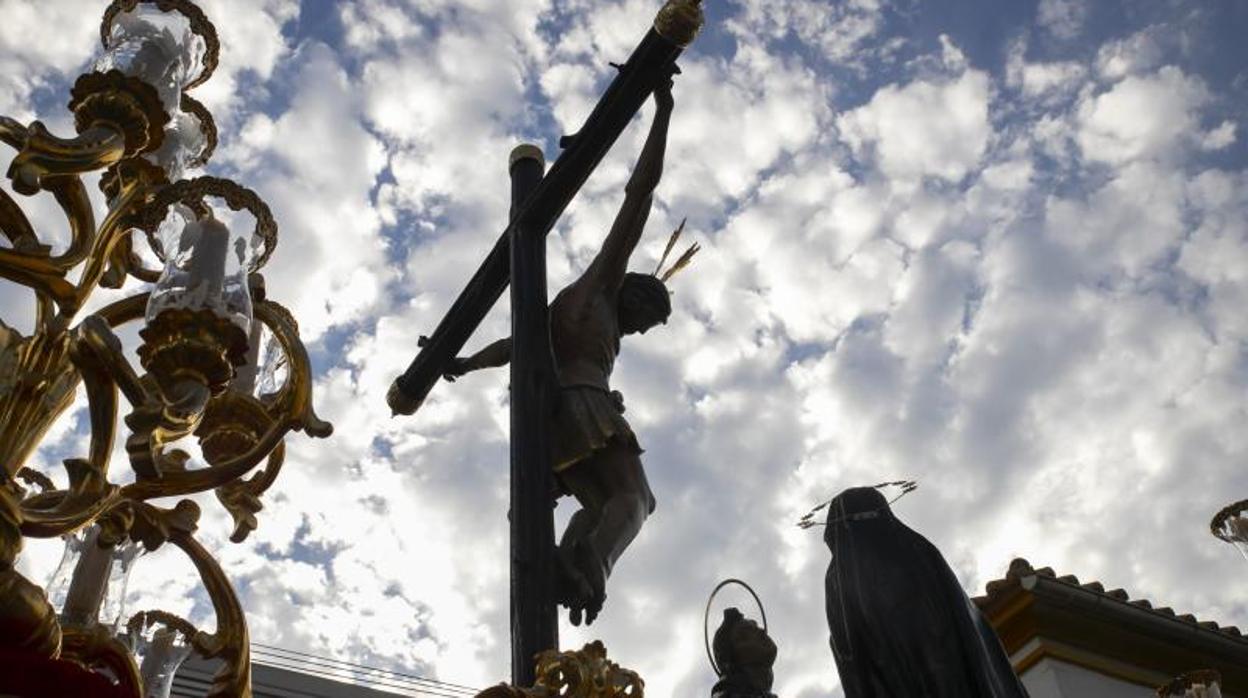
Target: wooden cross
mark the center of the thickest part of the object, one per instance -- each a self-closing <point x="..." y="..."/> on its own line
<point x="519" y="257"/>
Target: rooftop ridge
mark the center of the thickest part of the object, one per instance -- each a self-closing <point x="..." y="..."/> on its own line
<point x="1020" y="568"/>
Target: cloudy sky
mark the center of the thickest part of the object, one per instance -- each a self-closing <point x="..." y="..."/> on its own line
<point x="997" y="247"/>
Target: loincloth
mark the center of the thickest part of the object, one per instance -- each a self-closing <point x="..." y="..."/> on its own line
<point x="587" y="419"/>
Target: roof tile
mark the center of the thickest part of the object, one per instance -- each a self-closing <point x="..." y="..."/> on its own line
<point x="1020" y="568"/>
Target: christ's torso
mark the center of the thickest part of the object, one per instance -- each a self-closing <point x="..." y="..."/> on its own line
<point x="585" y="336"/>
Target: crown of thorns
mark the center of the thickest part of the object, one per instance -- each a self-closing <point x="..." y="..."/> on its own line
<point x="907" y="486"/>
<point x="682" y="261"/>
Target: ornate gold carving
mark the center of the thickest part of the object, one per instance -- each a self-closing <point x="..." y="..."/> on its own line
<point x="242" y="497"/>
<point x="679" y="21"/>
<point x="232" y="426"/>
<point x="231" y="642"/>
<point x="189" y="355"/>
<point x="293" y="403"/>
<point x="125" y="310"/>
<point x="144" y="619"/>
<point x="12" y="132"/>
<point x="10" y="522"/>
<point x="56" y="513"/>
<point x="192" y="192"/>
<point x="135" y="173"/>
<point x="290" y="409"/>
<point x="27" y="620"/>
<point x="31" y="264"/>
<point x="191" y="345"/>
<point x="16" y="227"/>
<point x="34" y="478"/>
<point x="44" y="157"/>
<point x="123" y="103"/>
<point x="586" y="673"/>
<point x="94" y="647"/>
<point x="37" y="382"/>
<point x="199" y="24"/>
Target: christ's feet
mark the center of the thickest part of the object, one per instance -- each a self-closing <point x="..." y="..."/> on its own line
<point x="589" y="563"/>
<point x="572" y="590"/>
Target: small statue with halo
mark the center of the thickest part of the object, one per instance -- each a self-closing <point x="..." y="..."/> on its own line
<point x="742" y="653"/>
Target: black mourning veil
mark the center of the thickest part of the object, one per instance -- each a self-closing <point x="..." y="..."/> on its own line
<point x="900" y="624"/>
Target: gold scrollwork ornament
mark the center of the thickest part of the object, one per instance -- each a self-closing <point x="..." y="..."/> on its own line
<point x="585" y="673"/>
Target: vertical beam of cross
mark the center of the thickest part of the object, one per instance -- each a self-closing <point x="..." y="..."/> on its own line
<point x="534" y="619"/>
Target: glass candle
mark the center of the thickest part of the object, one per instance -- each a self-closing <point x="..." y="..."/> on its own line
<point x="89" y="585"/>
<point x="159" y="650"/>
<point x="113" y="607"/>
<point x="157" y="47"/>
<point x="266" y="369"/>
<point x="206" y="266"/>
<point x="62" y="577"/>
<point x="183" y="143"/>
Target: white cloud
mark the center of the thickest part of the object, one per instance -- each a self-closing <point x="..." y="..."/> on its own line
<point x="927" y="128"/>
<point x="251" y="43"/>
<point x="1141" y="116"/>
<point x="1045" y="82"/>
<point x="1214" y="255"/>
<point x="1062" y="18"/>
<point x="316" y="166"/>
<point x="1220" y="137"/>
<point x="1129" y="224"/>
<point x="1135" y="54"/>
<point x="840" y="31"/>
<point x="26" y="65"/>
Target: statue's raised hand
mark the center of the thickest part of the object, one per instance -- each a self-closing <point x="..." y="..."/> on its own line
<point x="663" y="93"/>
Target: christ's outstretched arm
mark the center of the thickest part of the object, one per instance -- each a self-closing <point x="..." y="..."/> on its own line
<point x="495" y="354"/>
<point x="608" y="268"/>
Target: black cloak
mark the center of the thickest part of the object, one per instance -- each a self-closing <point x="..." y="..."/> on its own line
<point x="901" y="626"/>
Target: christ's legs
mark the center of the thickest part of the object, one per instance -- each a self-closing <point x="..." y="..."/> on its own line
<point x="629" y="502"/>
<point x="616" y="499"/>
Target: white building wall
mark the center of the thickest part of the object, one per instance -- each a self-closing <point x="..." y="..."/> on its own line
<point x="1051" y="678"/>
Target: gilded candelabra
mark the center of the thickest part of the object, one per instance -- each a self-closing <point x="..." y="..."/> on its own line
<point x="220" y="363"/>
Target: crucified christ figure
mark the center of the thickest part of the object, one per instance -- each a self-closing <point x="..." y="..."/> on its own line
<point x="595" y="454"/>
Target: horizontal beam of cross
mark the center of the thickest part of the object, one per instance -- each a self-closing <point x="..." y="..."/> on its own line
<point x="652" y="62"/>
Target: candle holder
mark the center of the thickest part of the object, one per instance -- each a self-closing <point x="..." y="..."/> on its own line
<point x="160" y="643"/>
<point x="1230" y="525"/>
<point x="1205" y="683"/>
<point x="204" y="312"/>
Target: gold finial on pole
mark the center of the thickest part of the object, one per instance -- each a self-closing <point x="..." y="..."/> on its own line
<point x="680" y="21"/>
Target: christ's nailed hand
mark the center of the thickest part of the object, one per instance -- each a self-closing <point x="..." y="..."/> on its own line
<point x="458" y="367"/>
<point x="663" y="93"/>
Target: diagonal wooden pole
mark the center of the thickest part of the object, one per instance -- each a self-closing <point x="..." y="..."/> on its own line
<point x="534" y="390"/>
<point x="674" y="28"/>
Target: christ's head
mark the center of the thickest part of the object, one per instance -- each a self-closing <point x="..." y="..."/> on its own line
<point x="643" y="303"/>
